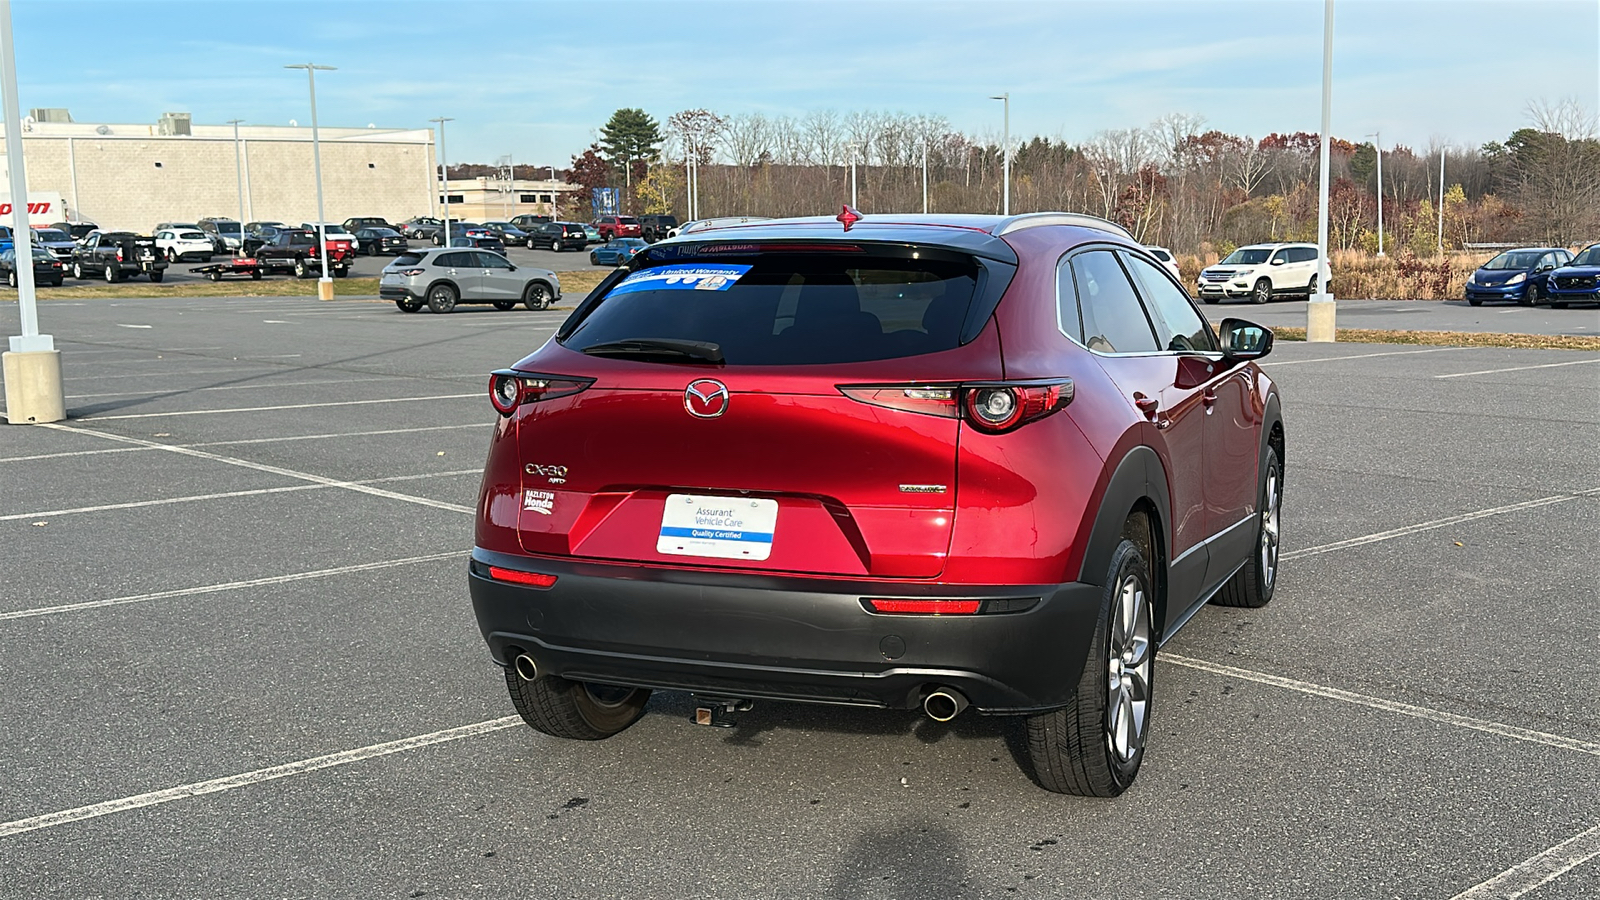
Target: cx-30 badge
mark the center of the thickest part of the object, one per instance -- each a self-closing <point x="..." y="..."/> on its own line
<point x="706" y="398"/>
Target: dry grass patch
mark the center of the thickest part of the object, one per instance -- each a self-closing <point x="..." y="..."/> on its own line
<point x="1453" y="338"/>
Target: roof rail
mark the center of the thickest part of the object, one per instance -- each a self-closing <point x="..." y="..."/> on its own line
<point x="1079" y="220"/>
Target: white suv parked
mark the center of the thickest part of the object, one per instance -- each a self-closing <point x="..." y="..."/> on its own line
<point x="176" y="243"/>
<point x="1262" y="272"/>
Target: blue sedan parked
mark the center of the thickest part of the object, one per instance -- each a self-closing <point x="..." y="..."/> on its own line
<point x="1517" y="275"/>
<point x="616" y="252"/>
<point x="1576" y="282"/>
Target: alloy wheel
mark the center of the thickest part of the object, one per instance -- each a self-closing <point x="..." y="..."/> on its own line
<point x="1269" y="530"/>
<point x="1130" y="661"/>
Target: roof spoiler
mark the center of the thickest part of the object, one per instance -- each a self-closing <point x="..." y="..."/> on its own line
<point x="1077" y="220"/>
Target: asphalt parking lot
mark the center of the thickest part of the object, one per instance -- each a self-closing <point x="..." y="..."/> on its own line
<point x="237" y="657"/>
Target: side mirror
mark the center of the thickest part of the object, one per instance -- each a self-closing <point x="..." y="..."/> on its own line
<point x="1278" y="261"/>
<point x="1243" y="340"/>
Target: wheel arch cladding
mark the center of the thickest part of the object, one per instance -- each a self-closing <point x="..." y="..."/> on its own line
<point x="1139" y="484"/>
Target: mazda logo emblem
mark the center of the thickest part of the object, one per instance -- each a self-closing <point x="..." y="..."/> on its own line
<point x="706" y="398"/>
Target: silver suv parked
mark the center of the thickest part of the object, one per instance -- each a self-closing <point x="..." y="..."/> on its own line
<point x="443" y="277"/>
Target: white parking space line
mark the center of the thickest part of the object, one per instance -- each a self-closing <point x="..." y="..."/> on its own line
<point x="1576" y="362"/>
<point x="196" y="498"/>
<point x="1394" y="706"/>
<point x="120" y="325"/>
<point x="1537" y="870"/>
<point x="245" y="409"/>
<point x="1438" y="523"/>
<point x="227" y="586"/>
<point x="245" y="779"/>
<point x="270" y="440"/>
<point x="1300" y="362"/>
<point x="262" y="467"/>
<point x="225" y="387"/>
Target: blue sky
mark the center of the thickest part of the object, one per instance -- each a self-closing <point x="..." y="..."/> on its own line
<point x="537" y="79"/>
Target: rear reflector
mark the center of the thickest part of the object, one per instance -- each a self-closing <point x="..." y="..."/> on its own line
<point x="925" y="607"/>
<point x="532" y="579"/>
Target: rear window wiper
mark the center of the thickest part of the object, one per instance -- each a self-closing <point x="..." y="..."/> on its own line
<point x="670" y="348"/>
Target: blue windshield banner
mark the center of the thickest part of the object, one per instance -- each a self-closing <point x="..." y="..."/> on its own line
<point x="682" y="278"/>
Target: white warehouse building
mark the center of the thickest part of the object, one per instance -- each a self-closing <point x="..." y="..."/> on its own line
<point x="133" y="176"/>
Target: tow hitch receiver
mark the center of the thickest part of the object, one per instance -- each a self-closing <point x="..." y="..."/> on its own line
<point x="714" y="711"/>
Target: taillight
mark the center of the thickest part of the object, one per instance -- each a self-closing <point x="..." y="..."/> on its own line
<point x="531" y="579"/>
<point x="119" y="254"/>
<point x="925" y="607"/>
<point x="990" y="406"/>
<point x="509" y="389"/>
<point x="412" y="272"/>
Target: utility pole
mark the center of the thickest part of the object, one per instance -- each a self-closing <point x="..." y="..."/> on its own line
<point x="238" y="171"/>
<point x="325" y="283"/>
<point x="444" y="169"/>
<point x="1005" y="203"/>
<point x="33" y="366"/>
<point x="1320" y="312"/>
<point x="1377" y="143"/>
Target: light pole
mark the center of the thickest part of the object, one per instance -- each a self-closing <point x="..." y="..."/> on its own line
<point x="324" y="284"/>
<point x="1005" y="203"/>
<point x="444" y="168"/>
<point x="853" y="153"/>
<point x="924" y="177"/>
<point x="1377" y="144"/>
<point x="238" y="173"/>
<point x="1441" y="199"/>
<point x="33" y="367"/>
<point x="1320" y="311"/>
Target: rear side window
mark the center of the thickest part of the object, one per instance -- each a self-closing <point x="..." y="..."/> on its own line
<point x="793" y="308"/>
<point x="1113" y="319"/>
<point x="1178" y="326"/>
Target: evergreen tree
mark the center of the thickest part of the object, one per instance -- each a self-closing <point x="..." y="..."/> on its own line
<point x="631" y="135"/>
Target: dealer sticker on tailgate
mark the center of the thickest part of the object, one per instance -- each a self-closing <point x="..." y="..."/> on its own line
<point x="724" y="527"/>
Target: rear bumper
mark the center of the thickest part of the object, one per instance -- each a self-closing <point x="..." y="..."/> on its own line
<point x="786" y="638"/>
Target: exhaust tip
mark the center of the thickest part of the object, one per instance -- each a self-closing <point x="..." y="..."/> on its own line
<point x="943" y="705"/>
<point x="526" y="668"/>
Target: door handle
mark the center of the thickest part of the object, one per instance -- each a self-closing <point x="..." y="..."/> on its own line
<point x="1209" y="398"/>
<point x="1147" y="405"/>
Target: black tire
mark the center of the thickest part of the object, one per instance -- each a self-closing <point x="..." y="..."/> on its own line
<point x="301" y="270"/>
<point x="1211" y="298"/>
<point x="409" y="306"/>
<point x="77" y="270"/>
<point x="504" y="305"/>
<point x="572" y="709"/>
<point x="341" y="272"/>
<point x="536" y="296"/>
<point x="594" y="260"/>
<point x="1074" y="750"/>
<point x="1530" y="297"/>
<point x="442" y="298"/>
<point x="555" y="246"/>
<point x="1311" y="288"/>
<point x="55" y="282"/>
<point x="113" y="275"/>
<point x="156" y="275"/>
<point x="214" y="276"/>
<point x="1252" y="586"/>
<point x="11" y="278"/>
<point x="254" y="273"/>
<point x="530" y="244"/>
<point x="1262" y="292"/>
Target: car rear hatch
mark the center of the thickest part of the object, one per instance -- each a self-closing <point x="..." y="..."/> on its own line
<point x="729" y="411"/>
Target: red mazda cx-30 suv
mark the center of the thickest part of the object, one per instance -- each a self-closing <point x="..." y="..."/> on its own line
<point x="917" y="462"/>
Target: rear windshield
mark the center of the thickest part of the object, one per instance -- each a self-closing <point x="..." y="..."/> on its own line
<point x="792" y="308"/>
<point x="52" y="234"/>
<point x="627" y="220"/>
<point x="406" y="259"/>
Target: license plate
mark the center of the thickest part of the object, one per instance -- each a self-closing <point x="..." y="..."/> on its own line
<point x="721" y="527"/>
